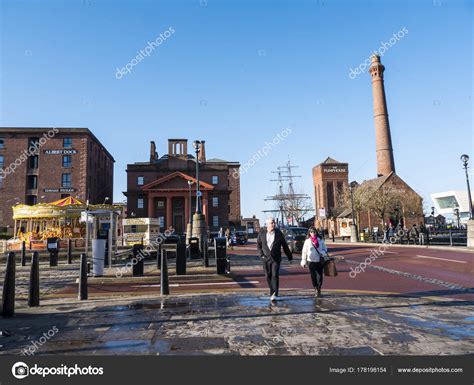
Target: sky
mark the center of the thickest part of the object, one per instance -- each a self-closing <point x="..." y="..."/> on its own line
<point x="238" y="73"/>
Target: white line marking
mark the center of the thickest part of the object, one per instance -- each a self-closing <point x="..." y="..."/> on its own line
<point x="441" y="259"/>
<point x="200" y="284"/>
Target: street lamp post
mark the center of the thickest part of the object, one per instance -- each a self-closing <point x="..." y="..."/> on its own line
<point x="434" y="218"/>
<point x="354" y="237"/>
<point x="199" y="228"/>
<point x="197" y="147"/>
<point x="465" y="160"/>
<point x="456" y="214"/>
<point x="189" y="225"/>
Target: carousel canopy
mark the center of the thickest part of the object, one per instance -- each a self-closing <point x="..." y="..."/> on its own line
<point x="68" y="201"/>
<point x="65" y="207"/>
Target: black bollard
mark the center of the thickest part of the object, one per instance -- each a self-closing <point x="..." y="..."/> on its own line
<point x="181" y="258"/>
<point x="8" y="298"/>
<point x="34" y="291"/>
<point x="23" y="253"/>
<point x="137" y="261"/>
<point x="158" y="257"/>
<point x="164" y="282"/>
<point x="69" y="251"/>
<point x="206" y="256"/>
<point x="53" y="259"/>
<point x="83" y="278"/>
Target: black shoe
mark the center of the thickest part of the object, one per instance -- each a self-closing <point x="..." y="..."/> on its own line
<point x="318" y="294"/>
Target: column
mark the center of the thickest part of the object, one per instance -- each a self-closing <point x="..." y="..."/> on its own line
<point x="204" y="204"/>
<point x="186" y="210"/>
<point x="151" y="206"/>
<point x="169" y="212"/>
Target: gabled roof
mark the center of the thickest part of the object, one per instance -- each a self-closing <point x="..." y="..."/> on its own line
<point x="176" y="174"/>
<point x="329" y="161"/>
<point x="378" y="182"/>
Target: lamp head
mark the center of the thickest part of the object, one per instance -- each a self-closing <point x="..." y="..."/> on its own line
<point x="465" y="158"/>
<point x="197" y="144"/>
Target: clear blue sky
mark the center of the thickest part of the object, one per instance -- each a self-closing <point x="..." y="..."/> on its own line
<point x="237" y="73"/>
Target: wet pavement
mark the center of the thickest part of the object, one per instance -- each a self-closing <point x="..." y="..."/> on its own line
<point x="245" y="324"/>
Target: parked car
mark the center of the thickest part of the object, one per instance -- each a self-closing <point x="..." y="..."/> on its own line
<point x="239" y="238"/>
<point x="295" y="237"/>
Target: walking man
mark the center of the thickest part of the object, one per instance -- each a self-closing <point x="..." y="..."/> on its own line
<point x="269" y="244"/>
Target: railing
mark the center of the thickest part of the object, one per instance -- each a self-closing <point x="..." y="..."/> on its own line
<point x="450" y="237"/>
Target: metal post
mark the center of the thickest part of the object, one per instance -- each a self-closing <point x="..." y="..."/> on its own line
<point x="83" y="278"/>
<point x="164" y="281"/>
<point x="53" y="258"/>
<point x="465" y="159"/>
<point x="23" y="253"/>
<point x="111" y="237"/>
<point x="8" y="298"/>
<point x="181" y="258"/>
<point x="69" y="251"/>
<point x="450" y="237"/>
<point x="34" y="290"/>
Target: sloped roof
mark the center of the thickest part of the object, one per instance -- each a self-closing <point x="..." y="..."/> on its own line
<point x="329" y="161"/>
<point x="177" y="174"/>
<point x="377" y="182"/>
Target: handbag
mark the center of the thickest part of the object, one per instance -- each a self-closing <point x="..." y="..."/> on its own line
<point x="330" y="269"/>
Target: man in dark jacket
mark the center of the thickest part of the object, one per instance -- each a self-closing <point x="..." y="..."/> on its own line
<point x="269" y="244"/>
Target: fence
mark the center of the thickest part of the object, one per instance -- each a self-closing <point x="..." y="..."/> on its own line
<point x="450" y="237"/>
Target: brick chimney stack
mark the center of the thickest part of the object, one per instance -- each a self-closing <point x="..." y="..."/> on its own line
<point x="383" y="139"/>
<point x="202" y="153"/>
<point x="153" y="153"/>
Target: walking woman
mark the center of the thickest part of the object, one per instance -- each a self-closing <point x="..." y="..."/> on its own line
<point x="313" y="255"/>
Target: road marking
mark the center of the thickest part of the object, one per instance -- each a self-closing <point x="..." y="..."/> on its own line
<point x="201" y="284"/>
<point x="441" y="259"/>
<point x="388" y="252"/>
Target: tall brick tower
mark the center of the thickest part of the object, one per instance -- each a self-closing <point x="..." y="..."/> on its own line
<point x="383" y="139"/>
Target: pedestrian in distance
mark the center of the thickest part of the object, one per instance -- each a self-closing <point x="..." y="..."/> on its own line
<point x="270" y="241"/>
<point x="228" y="239"/>
<point x="313" y="256"/>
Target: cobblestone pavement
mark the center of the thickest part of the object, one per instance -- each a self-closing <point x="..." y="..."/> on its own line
<point x="245" y="324"/>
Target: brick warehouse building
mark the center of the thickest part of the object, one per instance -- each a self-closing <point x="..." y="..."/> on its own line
<point x="45" y="164"/>
<point x="159" y="188"/>
<point x="330" y="178"/>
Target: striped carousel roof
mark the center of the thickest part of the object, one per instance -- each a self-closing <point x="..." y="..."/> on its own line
<point x="68" y="201"/>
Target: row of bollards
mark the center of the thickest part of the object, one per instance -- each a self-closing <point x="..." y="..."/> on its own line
<point x="9" y="283"/>
<point x="8" y="295"/>
<point x="53" y="255"/>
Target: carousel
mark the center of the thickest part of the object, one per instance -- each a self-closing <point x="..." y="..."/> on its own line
<point x="63" y="219"/>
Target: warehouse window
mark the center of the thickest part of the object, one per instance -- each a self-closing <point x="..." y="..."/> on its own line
<point x="67" y="142"/>
<point x="67" y="161"/>
<point x="66" y="180"/>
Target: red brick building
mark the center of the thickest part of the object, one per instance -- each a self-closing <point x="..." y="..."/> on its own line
<point x="330" y="178"/>
<point x="46" y="164"/>
<point x="160" y="188"/>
